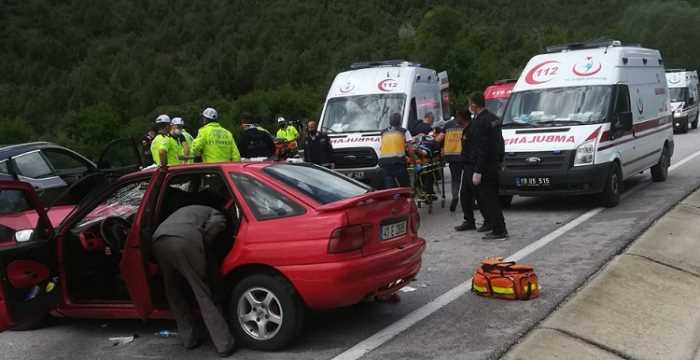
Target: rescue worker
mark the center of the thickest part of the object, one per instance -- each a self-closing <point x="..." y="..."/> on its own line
<point x="286" y="130"/>
<point x="393" y="147"/>
<point x="424" y="127"/>
<point x="256" y="142"/>
<point x="146" y="143"/>
<point x="486" y="151"/>
<point x="184" y="139"/>
<point x="164" y="148"/>
<point x="451" y="140"/>
<point x="213" y="142"/>
<point x="317" y="146"/>
<point x="179" y="246"/>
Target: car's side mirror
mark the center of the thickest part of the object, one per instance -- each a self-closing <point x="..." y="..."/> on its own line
<point x="624" y="121"/>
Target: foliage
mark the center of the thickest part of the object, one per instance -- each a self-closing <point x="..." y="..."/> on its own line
<point x="82" y="72"/>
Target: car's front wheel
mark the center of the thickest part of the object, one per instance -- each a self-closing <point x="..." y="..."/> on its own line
<point x="265" y="312"/>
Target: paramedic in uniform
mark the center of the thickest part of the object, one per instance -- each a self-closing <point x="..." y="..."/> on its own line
<point x="486" y="154"/>
<point x="451" y="139"/>
<point x="180" y="246"/>
<point x="392" y="153"/>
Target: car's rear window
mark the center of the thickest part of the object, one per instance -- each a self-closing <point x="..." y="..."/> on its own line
<point x="318" y="183"/>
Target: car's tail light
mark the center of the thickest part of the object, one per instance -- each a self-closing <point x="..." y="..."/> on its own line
<point x="415" y="222"/>
<point x="347" y="238"/>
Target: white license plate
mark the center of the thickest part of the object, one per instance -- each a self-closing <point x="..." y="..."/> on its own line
<point x="356" y="174"/>
<point x="533" y="181"/>
<point x="394" y="230"/>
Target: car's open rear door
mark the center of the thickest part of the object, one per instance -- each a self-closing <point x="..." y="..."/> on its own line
<point x="136" y="254"/>
<point x="29" y="280"/>
<point x="120" y="157"/>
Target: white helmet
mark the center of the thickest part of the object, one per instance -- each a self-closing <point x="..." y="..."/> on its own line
<point x="210" y="113"/>
<point x="281" y="120"/>
<point x="163" y="119"/>
<point x="178" y="121"/>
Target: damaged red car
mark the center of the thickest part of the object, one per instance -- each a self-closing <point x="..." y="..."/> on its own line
<point x="299" y="237"/>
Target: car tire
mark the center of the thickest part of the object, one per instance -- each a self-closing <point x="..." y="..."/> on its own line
<point x="284" y="306"/>
<point x="506" y="201"/>
<point x="695" y="123"/>
<point x="659" y="172"/>
<point x="684" y="127"/>
<point x="613" y="187"/>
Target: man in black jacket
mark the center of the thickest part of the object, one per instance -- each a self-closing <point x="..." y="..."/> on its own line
<point x="485" y="155"/>
<point x="255" y="142"/>
<point x="317" y="146"/>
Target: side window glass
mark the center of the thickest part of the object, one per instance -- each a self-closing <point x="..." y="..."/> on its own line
<point x="206" y="189"/>
<point x="3" y="167"/>
<point x="623" y="99"/>
<point x="18" y="219"/>
<point x="65" y="162"/>
<point x="124" y="202"/>
<point x="265" y="202"/>
<point x="32" y="165"/>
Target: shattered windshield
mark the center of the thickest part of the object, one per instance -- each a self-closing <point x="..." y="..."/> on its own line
<point x="362" y="113"/>
<point x="561" y="106"/>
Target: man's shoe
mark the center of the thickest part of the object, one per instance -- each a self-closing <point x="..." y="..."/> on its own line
<point x="453" y="205"/>
<point x="496" y="236"/>
<point x="466" y="226"/>
<point x="227" y="353"/>
<point x="484" y="228"/>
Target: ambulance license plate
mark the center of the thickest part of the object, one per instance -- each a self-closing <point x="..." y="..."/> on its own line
<point x="527" y="181"/>
<point x="390" y="231"/>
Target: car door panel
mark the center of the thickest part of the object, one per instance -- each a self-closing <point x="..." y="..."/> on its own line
<point x="28" y="264"/>
<point x="134" y="263"/>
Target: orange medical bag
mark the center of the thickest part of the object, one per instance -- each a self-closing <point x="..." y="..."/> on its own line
<point x="505" y="280"/>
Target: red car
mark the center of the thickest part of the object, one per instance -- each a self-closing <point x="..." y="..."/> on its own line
<point x="299" y="236"/>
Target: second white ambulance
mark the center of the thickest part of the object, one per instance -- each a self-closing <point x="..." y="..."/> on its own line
<point x="583" y="117"/>
<point x="683" y="90"/>
<point x="360" y="102"/>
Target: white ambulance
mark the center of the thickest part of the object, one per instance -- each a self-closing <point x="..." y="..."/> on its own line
<point x="360" y="102"/>
<point x="683" y="90"/>
<point x="583" y="117"/>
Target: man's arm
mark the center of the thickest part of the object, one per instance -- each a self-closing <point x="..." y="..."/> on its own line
<point x="163" y="155"/>
<point x="198" y="144"/>
<point x="215" y="225"/>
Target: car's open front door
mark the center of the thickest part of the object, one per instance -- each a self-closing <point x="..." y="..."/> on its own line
<point x="29" y="280"/>
<point x="120" y="157"/>
<point x="136" y="255"/>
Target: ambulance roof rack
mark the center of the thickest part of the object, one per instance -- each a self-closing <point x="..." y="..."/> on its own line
<point x="585" y="45"/>
<point x="385" y="63"/>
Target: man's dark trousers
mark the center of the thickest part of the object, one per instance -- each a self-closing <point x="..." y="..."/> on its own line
<point x="489" y="202"/>
<point x="467" y="194"/>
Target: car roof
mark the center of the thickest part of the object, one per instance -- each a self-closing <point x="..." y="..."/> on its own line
<point x="7" y="151"/>
<point x="230" y="166"/>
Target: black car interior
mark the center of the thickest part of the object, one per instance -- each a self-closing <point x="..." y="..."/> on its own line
<point x="93" y="247"/>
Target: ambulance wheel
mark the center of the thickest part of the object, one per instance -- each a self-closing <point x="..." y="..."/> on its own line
<point x="266" y="312"/>
<point x="506" y="201"/>
<point x="659" y="172"/>
<point x="684" y="127"/>
<point x="613" y="187"/>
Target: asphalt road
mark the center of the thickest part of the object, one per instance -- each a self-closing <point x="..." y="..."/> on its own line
<point x="469" y="327"/>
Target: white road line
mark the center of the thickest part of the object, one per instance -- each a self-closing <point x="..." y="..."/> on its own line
<point x="391" y="331"/>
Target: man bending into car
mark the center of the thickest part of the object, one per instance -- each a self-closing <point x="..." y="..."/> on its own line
<point x="179" y="246"/>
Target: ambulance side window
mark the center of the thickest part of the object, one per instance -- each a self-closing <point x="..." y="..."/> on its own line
<point x="412" y="116"/>
<point x="623" y="99"/>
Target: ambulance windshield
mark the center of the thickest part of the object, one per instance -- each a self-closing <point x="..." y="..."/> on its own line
<point x="678" y="94"/>
<point x="560" y="106"/>
<point x="362" y="113"/>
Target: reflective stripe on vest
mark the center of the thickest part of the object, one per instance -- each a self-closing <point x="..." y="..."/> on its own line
<point x="453" y="141"/>
<point x="503" y="290"/>
<point x="393" y="144"/>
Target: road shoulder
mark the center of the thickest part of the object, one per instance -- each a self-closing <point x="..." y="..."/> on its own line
<point x="641" y="305"/>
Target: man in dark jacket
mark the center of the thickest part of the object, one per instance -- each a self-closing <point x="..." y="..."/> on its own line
<point x="255" y="142"/>
<point x="180" y="246"/>
<point x="317" y="146"/>
<point x="486" y="153"/>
